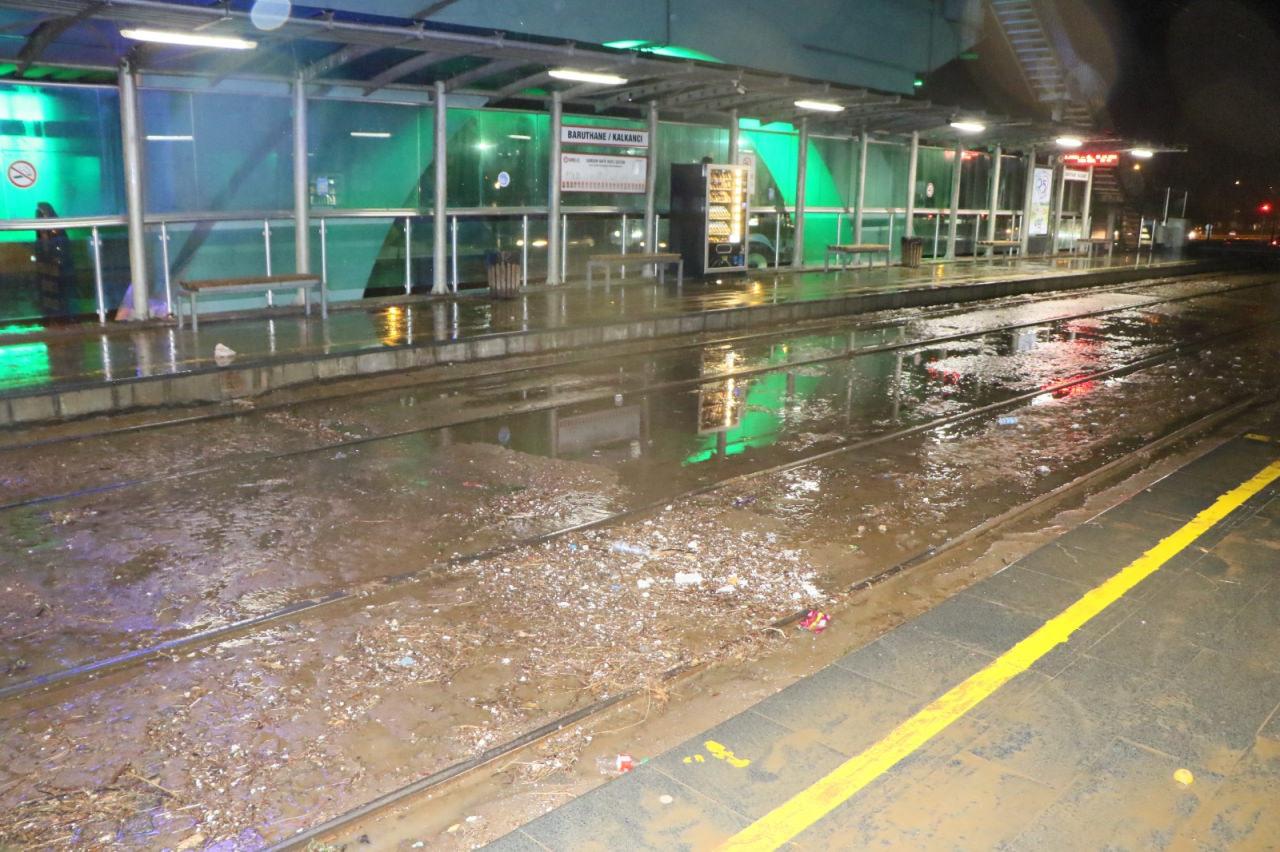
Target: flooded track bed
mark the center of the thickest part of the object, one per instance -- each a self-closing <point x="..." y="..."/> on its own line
<point x="389" y="684"/>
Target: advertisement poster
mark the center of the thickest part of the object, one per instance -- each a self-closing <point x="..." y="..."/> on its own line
<point x="601" y="173"/>
<point x="1041" y="192"/>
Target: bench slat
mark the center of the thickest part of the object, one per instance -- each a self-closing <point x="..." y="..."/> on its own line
<point x="634" y="258"/>
<point x="263" y="281"/>
<point x="859" y="248"/>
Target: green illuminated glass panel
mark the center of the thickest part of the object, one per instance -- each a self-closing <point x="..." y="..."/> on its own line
<point x="369" y="155"/>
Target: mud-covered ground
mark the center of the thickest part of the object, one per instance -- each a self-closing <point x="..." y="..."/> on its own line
<point x="241" y="743"/>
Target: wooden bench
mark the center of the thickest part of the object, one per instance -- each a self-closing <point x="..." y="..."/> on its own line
<point x="1088" y="243"/>
<point x="658" y="259"/>
<point x="1014" y="246"/>
<point x="253" y="284"/>
<point x="852" y="249"/>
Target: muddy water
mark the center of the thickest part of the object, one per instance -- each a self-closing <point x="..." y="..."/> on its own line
<point x="253" y="738"/>
<point x="98" y="574"/>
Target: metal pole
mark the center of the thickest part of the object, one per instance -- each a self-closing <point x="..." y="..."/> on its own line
<point x="733" y="137"/>
<point x="301" y="186"/>
<point x="1185" y="193"/>
<point x="164" y="259"/>
<point x="937" y="232"/>
<point x="651" y="184"/>
<point x="1061" y="168"/>
<point x="802" y="167"/>
<point x="1165" y="219"/>
<point x="955" y="202"/>
<point x="1024" y="231"/>
<point x="97" y="276"/>
<point x="324" y="254"/>
<point x="438" y="285"/>
<point x="1086" y="213"/>
<point x="622" y="273"/>
<point x="777" y="239"/>
<point x="266" y="249"/>
<point x="862" y="186"/>
<point x="453" y="253"/>
<point x="564" y="245"/>
<point x="995" y="202"/>
<point x="524" y="250"/>
<point x="912" y="171"/>
<point x="554" y="273"/>
<point x="408" y="255"/>
<point x="134" y="201"/>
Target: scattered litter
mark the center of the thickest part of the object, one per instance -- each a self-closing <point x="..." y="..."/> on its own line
<point x="882" y="528"/>
<point x="617" y="399"/>
<point x="739" y="502"/>
<point x="616" y="765"/>
<point x="1008" y="420"/>
<point x="688" y="578"/>
<point x="627" y="547"/>
<point x="644" y="583"/>
<point x="1043" y="470"/>
<point x="223" y="354"/>
<point x="1184" y="777"/>
<point x="666" y="799"/>
<point x="406" y="661"/>
<point x="815" y="621"/>
<point x="470" y="484"/>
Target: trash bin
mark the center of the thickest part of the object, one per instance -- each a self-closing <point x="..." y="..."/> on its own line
<point x="912" y="251"/>
<point x="503" y="273"/>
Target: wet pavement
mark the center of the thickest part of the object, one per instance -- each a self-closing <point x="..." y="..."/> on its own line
<point x="32" y="359"/>
<point x="257" y="512"/>
<point x="1153" y="723"/>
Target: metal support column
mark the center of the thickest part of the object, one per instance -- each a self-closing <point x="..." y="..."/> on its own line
<point x="132" y="148"/>
<point x="802" y="167"/>
<point x="651" y="184"/>
<point x="301" y="186"/>
<point x="1029" y="186"/>
<point x="553" y="195"/>
<point x="913" y="165"/>
<point x="733" y="137"/>
<point x="953" y="224"/>
<point x="1164" y="219"/>
<point x="1060" y="169"/>
<point x="862" y="186"/>
<point x="1086" y="226"/>
<point x="995" y="202"/>
<point x="439" y="281"/>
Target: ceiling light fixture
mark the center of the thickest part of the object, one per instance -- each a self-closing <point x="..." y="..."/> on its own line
<point x="371" y="134"/>
<point x="189" y="39"/>
<point x="578" y="76"/>
<point x="1143" y="153"/>
<point x="968" y="126"/>
<point x="166" y="137"/>
<point x="1069" y="141"/>
<point x="819" y="106"/>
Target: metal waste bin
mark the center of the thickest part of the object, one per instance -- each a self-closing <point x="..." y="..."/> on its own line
<point x="503" y="273"/>
<point x="912" y="251"/>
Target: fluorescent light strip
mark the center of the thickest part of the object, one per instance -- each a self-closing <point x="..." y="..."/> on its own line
<point x="520" y="136"/>
<point x="160" y="137"/>
<point x="1143" y="153"/>
<point x="1069" y="141"/>
<point x="819" y="106"/>
<point x="371" y="134"/>
<point x="586" y="76"/>
<point x="968" y="126"/>
<point x="189" y="39"/>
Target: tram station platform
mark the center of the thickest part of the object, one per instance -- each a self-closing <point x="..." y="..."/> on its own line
<point x="65" y="373"/>
<point x="1117" y="688"/>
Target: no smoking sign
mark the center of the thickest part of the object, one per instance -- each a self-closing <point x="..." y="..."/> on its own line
<point x="22" y="174"/>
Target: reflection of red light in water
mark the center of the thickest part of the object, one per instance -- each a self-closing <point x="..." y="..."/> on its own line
<point x="947" y="377"/>
<point x="1081" y="389"/>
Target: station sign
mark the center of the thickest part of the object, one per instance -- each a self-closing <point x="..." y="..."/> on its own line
<point x="1106" y="160"/>
<point x="1075" y="174"/>
<point x="600" y="173"/>
<point x="619" y="137"/>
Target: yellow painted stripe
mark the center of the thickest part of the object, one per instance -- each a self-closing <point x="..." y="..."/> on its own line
<point x="1254" y="436"/>
<point x="810" y="805"/>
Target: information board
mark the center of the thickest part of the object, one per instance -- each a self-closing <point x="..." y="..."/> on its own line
<point x="601" y="173"/>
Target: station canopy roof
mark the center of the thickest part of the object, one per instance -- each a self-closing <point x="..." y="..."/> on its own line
<point x="379" y="56"/>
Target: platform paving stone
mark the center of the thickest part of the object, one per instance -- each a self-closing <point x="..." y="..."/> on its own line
<point x="1124" y="799"/>
<point x="978" y="624"/>
<point x="1028" y="591"/>
<point x="915" y="661"/>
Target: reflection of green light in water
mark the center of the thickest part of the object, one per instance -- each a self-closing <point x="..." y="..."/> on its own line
<point x="21" y="329"/>
<point x="762" y="418"/>
<point x="23" y="364"/>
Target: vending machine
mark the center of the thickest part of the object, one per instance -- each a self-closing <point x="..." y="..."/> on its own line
<point x="709" y="217"/>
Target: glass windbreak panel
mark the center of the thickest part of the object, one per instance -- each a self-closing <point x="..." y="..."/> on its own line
<point x="217" y="152"/>
<point x="1073" y="196"/>
<point x="933" y="178"/>
<point x="481" y="236"/>
<point x="820" y="232"/>
<point x="422" y="243"/>
<point x="685" y="143"/>
<point x="586" y="235"/>
<point x="1013" y="173"/>
<point x="831" y="176"/>
<point x="975" y="180"/>
<point x="630" y="201"/>
<point x="887" y="175"/>
<point x="218" y="250"/>
<point x="367" y="155"/>
<point x="776" y="156"/>
<point x="49" y="276"/>
<point x="884" y="228"/>
<point x="497" y="158"/>
<point x="61" y="147"/>
<point x="365" y="257"/>
<point x="931" y="227"/>
<point x="771" y="239"/>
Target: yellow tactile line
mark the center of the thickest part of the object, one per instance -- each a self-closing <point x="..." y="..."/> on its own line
<point x="808" y="806"/>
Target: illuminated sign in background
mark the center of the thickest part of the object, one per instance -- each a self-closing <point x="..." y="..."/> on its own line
<point x="1091" y="158"/>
